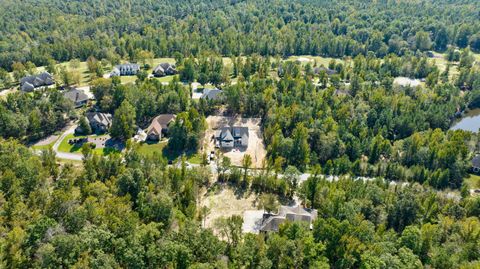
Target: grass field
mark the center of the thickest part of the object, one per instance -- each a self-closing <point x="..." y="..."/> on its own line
<point x="42" y="147"/>
<point x="315" y="59"/>
<point x="65" y="147"/>
<point x="148" y="149"/>
<point x="473" y="182"/>
<point x="85" y="79"/>
<point x="151" y="148"/>
<point x="441" y="62"/>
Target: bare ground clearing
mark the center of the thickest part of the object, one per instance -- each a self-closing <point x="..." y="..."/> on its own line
<point x="256" y="148"/>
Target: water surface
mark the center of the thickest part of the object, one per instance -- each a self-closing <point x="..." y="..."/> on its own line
<point x="469" y="122"/>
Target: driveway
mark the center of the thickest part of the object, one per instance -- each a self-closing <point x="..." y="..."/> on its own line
<point x="66" y="155"/>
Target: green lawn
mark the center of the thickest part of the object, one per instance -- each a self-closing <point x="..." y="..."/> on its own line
<point x="166" y="78"/>
<point x="150" y="148"/>
<point x="318" y="59"/>
<point x="441" y="62"/>
<point x="195" y="158"/>
<point x="42" y="147"/>
<point x="128" y="79"/>
<point x="473" y="182"/>
<point x="65" y="147"/>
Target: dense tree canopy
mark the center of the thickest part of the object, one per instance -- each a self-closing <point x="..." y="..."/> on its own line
<point x="399" y="199"/>
<point x="139" y="213"/>
<point x="62" y="30"/>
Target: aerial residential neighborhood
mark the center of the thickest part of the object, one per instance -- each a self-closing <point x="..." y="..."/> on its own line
<point x="240" y="134"/>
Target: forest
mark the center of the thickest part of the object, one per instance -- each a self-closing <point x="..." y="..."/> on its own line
<point x="140" y="213"/>
<point x="400" y="198"/>
<point x="39" y="31"/>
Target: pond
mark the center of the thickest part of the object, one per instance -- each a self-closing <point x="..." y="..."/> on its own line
<point x="470" y="121"/>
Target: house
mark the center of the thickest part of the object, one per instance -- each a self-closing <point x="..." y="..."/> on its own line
<point x="212" y="94"/>
<point x="159" y="126"/>
<point x="164" y="69"/>
<point x="125" y="70"/>
<point x="328" y="71"/>
<point x="271" y="223"/>
<point x="229" y="137"/>
<point x="30" y="83"/>
<point x="79" y="98"/>
<point x="99" y="122"/>
<point x="476" y="164"/>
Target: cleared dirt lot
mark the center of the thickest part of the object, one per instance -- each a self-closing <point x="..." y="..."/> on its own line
<point x="255" y="148"/>
<point x="225" y="203"/>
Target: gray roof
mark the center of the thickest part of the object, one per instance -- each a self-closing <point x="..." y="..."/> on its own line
<point x="164" y="67"/>
<point x="476" y="161"/>
<point x="212" y="94"/>
<point x="329" y="71"/>
<point x="239" y="132"/>
<point x="128" y="66"/>
<point x="76" y="95"/>
<point x="104" y="119"/>
<point x="290" y="213"/>
<point x="27" y="87"/>
<point x="42" y="79"/>
<point x="232" y="133"/>
<point x="226" y="135"/>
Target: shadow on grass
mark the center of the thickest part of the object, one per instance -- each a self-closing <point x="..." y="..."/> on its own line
<point x="173" y="155"/>
<point x="107" y="150"/>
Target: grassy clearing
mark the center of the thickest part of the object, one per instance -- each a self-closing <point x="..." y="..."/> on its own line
<point x="166" y="78"/>
<point x="441" y="62"/>
<point x="65" y="147"/>
<point x="42" y="147"/>
<point x="128" y="79"/>
<point x="195" y="159"/>
<point x="315" y="59"/>
<point x="473" y="181"/>
<point x="146" y="148"/>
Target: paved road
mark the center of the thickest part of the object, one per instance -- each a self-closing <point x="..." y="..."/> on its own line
<point x="66" y="155"/>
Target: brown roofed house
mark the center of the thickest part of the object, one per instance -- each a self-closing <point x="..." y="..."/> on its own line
<point x="159" y="126"/>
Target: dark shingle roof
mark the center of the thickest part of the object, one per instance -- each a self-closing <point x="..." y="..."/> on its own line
<point x="76" y="95"/>
<point x="290" y="213"/>
<point x="476" y="161"/>
<point x="329" y="71"/>
<point x="42" y="79"/>
<point x="104" y="119"/>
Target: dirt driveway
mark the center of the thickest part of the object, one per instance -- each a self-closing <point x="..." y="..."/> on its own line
<point x="256" y="148"/>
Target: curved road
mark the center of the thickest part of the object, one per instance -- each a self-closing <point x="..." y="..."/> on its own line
<point x="66" y="155"/>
